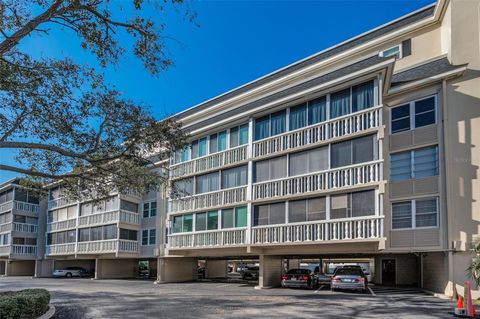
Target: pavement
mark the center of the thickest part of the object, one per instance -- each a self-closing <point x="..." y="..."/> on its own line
<point x="76" y="298"/>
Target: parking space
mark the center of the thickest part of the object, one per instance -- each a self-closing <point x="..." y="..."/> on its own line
<point x="80" y="298"/>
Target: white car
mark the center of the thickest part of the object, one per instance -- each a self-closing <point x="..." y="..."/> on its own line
<point x="71" y="272"/>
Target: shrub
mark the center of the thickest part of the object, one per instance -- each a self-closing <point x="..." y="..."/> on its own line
<point x="24" y="304"/>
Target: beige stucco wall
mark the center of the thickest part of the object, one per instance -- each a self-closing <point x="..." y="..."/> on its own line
<point x="406" y="269"/>
<point x="20" y="268"/>
<point x="435" y="271"/>
<point x="176" y="269"/>
<point x="216" y="268"/>
<point x="270" y="271"/>
<point x="116" y="268"/>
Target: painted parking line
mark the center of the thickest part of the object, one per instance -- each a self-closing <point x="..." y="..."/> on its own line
<point x="371" y="291"/>
<point x="319" y="289"/>
<point x="221" y="286"/>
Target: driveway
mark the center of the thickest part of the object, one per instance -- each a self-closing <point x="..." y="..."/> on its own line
<point x="85" y="298"/>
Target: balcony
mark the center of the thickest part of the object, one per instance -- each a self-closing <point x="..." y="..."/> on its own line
<point x="116" y="216"/>
<point x="60" y="249"/>
<point x="62" y="225"/>
<point x="347" y="176"/>
<point x="25" y="228"/>
<point x="334" y="128"/>
<point x="24" y="249"/>
<point x="205" y="163"/>
<point x="359" y="228"/>
<point x="5" y="227"/>
<point x="208" y="239"/>
<point x="22" y="206"/>
<point x="107" y="246"/>
<point x="58" y="202"/>
<point x="223" y="197"/>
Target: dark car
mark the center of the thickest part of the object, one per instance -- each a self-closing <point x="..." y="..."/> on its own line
<point x="299" y="278"/>
<point x="250" y="273"/>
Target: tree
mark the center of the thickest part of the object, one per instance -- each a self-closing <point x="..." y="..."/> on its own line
<point x="65" y="123"/>
<point x="473" y="270"/>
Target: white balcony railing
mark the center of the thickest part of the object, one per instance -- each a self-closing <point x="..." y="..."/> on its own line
<point x="24" y="249"/>
<point x="62" y="225"/>
<point x="4" y="207"/>
<point x="108" y="218"/>
<point x="207" y="200"/>
<point x="211" y="161"/>
<point x="212" y="238"/>
<point x="353" y="175"/>
<point x="61" y="201"/>
<point x="5" y="227"/>
<point x="107" y="246"/>
<point x="26" y="207"/>
<point x="337" y="127"/>
<point x="25" y="228"/>
<point x="60" y="249"/>
<point x="370" y="227"/>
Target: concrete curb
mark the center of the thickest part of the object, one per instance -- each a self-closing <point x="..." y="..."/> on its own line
<point x="49" y="314"/>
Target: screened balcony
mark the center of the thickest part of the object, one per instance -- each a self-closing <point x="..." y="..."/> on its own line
<point x="231" y="196"/>
<point x="116" y="216"/>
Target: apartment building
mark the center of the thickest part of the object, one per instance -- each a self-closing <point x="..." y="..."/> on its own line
<point x="20" y="225"/>
<point x="367" y="151"/>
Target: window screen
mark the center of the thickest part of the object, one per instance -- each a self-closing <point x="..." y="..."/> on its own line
<point x="402" y="215"/>
<point x="425" y="112"/>
<point x="297" y="211"/>
<point x="426" y="213"/>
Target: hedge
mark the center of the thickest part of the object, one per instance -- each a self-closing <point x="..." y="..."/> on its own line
<point x="24" y="304"/>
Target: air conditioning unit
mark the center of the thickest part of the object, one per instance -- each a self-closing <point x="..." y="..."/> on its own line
<point x="156" y="252"/>
<point x="459" y="245"/>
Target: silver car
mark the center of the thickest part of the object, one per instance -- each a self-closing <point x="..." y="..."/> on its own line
<point x="349" y="278"/>
<point x="71" y="272"/>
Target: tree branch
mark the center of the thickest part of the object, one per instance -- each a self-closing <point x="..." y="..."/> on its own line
<point x="31" y="172"/>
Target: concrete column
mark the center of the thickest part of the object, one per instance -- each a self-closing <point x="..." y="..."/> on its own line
<point x="270" y="271"/>
<point x="293" y="263"/>
<point x="44" y="268"/>
<point x="8" y="268"/>
<point x="216" y="268"/>
<point x="98" y="269"/>
<point x="176" y="269"/>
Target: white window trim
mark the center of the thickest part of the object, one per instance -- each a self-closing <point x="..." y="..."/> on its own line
<point x="149" y="209"/>
<point x="400" y="51"/>
<point x="413" y="203"/>
<point x="411" y="113"/>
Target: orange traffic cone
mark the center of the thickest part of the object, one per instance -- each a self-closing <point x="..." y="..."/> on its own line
<point x="455" y="293"/>
<point x="460" y="303"/>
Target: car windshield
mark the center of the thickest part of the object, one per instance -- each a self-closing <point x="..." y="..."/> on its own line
<point x="298" y="272"/>
<point x="348" y="272"/>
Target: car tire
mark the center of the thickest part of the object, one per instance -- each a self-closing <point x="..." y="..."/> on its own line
<point x="68" y="275"/>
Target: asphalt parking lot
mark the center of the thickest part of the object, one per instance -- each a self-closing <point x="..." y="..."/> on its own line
<point x="85" y="298"/>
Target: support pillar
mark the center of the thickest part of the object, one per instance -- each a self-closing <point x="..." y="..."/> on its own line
<point x="293" y="263"/>
<point x="176" y="269"/>
<point x="216" y="268"/>
<point x="270" y="271"/>
<point x="98" y="269"/>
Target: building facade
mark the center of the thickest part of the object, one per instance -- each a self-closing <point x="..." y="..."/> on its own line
<point x="367" y="151"/>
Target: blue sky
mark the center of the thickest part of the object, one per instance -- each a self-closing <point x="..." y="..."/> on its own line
<point x="235" y="42"/>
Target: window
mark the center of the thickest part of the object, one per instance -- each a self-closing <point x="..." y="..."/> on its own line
<point x="269" y="214"/>
<point x="153" y="236"/>
<point x="271" y="169"/>
<point x="182" y="223"/>
<point x="206" y="221"/>
<point x="195" y="149"/>
<point x="234" y="217"/>
<point x="187" y="223"/>
<point x="128" y="206"/>
<point x="340" y="103"/>
<point x="308" y="161"/>
<point x="425" y="214"/>
<point x="362" y="96"/>
<point x="145" y="237"/>
<point x="239" y="135"/>
<point x="96" y="233"/>
<point x="353" y="204"/>
<point x="234" y="137"/>
<point x="241" y="216"/>
<point x="401" y="118"/>
<point x="413" y="115"/>
<point x="227" y="218"/>
<point x="234" y="177"/>
<point x="394" y="51"/>
<point x="359" y="150"/>
<point x="183" y="187"/>
<point x="207" y="183"/>
<point x="243" y="138"/>
<point x="317" y="111"/>
<point x="417" y="163"/>
<point x="213" y="143"/>
<point x="150" y="209"/>
<point x="222" y="141"/>
<point x="128" y="234"/>
<point x="7" y="196"/>
<point x="316" y="208"/>
<point x="262" y="128"/>
<point x="298" y="117"/>
<point x="110" y="232"/>
<point x="278" y="123"/>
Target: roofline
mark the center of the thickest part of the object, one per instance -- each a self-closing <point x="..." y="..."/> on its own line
<point x="309" y="57"/>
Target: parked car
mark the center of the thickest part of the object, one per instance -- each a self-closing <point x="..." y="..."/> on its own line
<point x="351" y="278"/>
<point x="299" y="278"/>
<point x="250" y="273"/>
<point x="71" y="272"/>
<point x="322" y="279"/>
